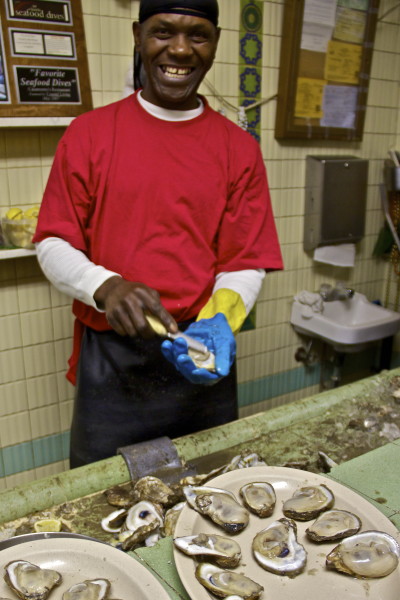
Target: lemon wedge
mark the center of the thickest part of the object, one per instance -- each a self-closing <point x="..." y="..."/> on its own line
<point x="47" y="525"/>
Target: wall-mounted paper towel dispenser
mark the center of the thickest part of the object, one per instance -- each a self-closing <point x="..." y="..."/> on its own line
<point x="336" y="192"/>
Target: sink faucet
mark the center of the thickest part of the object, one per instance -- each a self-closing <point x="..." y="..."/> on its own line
<point x="329" y="293"/>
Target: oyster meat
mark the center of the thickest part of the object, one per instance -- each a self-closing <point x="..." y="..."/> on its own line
<point x="259" y="497"/>
<point x="225" y="552"/>
<point x="219" y="505"/>
<point x="29" y="581"/>
<point x="227" y="583"/>
<point x="368" y="554"/>
<point x="308" y="502"/>
<point x="277" y="550"/>
<point x="334" y="525"/>
<point x="90" y="589"/>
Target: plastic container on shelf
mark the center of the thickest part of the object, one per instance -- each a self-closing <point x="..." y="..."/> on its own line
<point x="19" y="232"/>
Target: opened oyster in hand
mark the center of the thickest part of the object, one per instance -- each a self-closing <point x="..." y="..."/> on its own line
<point x="29" y="581"/>
<point x="219" y="505"/>
<point x="227" y="583"/>
<point x="277" y="550"/>
<point x="259" y="497"/>
<point x="334" y="525"/>
<point x="368" y="554"/>
<point x="225" y="552"/>
<point x="308" y="502"/>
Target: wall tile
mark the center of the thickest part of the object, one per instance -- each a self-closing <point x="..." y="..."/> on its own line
<point x="15" y="429"/>
<point x="13" y="398"/>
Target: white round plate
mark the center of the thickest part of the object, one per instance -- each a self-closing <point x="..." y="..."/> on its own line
<point x="78" y="559"/>
<point x="316" y="581"/>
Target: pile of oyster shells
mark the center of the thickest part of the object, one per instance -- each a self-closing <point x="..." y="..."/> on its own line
<point x="150" y="509"/>
<point x="31" y="582"/>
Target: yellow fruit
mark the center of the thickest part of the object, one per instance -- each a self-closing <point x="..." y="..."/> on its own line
<point x="47" y="525"/>
<point x="14" y="213"/>
<point x="32" y="212"/>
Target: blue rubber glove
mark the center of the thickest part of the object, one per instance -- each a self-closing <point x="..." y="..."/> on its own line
<point x="216" y="334"/>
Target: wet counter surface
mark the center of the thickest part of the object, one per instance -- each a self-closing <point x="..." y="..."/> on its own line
<point x="351" y="434"/>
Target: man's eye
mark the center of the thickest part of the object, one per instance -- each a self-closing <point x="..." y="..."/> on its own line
<point x="162" y="34"/>
<point x="199" y="37"/>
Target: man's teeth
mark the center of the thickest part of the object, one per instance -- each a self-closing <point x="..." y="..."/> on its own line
<point x="177" y="71"/>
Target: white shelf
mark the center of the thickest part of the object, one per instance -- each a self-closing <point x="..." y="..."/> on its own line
<point x="16" y="253"/>
<point x="35" y="121"/>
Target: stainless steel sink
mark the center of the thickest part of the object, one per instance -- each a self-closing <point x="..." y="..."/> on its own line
<point x="347" y="325"/>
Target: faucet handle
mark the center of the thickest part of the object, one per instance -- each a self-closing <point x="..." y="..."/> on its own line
<point x="324" y="290"/>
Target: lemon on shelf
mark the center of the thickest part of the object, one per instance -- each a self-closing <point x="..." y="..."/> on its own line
<point x="14" y="213"/>
<point x="32" y="212"/>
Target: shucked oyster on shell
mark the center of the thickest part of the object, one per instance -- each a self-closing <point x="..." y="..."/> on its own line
<point x="29" y="581"/>
<point x="90" y="589"/>
<point x="218" y="549"/>
<point x="259" y="497"/>
<point x="277" y="550"/>
<point x="308" y="502"/>
<point x="219" y="505"/>
<point x="334" y="525"/>
<point x="369" y="554"/>
<point x="224" y="583"/>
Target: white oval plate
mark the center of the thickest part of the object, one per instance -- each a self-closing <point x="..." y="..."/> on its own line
<point x="315" y="581"/>
<point x="78" y="559"/>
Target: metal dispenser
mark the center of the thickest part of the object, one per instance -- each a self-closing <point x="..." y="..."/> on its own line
<point x="336" y="191"/>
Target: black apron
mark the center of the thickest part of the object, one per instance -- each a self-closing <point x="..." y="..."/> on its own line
<point x="127" y="392"/>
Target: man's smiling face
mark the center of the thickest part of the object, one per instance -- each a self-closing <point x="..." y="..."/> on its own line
<point x="176" y="51"/>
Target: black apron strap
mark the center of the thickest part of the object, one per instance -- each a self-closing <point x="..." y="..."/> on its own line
<point x="127" y="392"/>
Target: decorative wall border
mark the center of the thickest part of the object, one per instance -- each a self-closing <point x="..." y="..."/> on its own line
<point x="250" y="61"/>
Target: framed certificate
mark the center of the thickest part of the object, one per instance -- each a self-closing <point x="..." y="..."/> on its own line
<point x="43" y="62"/>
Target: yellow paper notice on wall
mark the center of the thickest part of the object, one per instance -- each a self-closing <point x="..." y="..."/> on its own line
<point x="309" y="95"/>
<point x="343" y="62"/>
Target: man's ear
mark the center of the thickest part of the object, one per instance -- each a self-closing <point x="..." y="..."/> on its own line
<point x="136" y="34"/>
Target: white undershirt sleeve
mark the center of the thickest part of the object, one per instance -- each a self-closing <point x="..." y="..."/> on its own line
<point x="70" y="271"/>
<point x="246" y="283"/>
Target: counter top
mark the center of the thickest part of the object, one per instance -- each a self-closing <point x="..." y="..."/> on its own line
<point x="356" y="426"/>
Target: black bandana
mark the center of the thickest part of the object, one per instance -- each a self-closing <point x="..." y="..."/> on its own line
<point x="207" y="9"/>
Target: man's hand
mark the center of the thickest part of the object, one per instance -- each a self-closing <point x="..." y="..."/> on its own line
<point x="216" y="334"/>
<point x="125" y="303"/>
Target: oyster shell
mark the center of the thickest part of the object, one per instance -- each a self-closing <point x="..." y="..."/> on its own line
<point x="171" y="518"/>
<point x="29" y="581"/>
<point x="113" y="522"/>
<point x="219" y="505"/>
<point x="368" y="554"/>
<point x="121" y="497"/>
<point x="334" y="525"/>
<point x="155" y="490"/>
<point x="227" y="583"/>
<point x="276" y="549"/>
<point x="225" y="552"/>
<point x="308" y="502"/>
<point x="131" y="539"/>
<point x="90" y="589"/>
<point x="259" y="497"/>
<point x="142" y="513"/>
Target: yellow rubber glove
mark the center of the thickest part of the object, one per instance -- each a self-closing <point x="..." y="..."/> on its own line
<point x="229" y="303"/>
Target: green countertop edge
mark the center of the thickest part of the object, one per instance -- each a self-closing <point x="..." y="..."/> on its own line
<point x="69" y="485"/>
